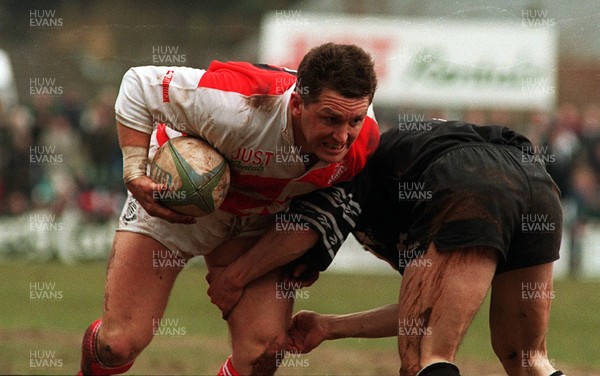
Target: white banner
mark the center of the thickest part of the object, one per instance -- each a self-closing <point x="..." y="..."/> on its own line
<point x="431" y="63"/>
<point x="41" y="235"/>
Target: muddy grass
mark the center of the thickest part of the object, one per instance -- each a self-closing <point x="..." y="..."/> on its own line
<point x="51" y="352"/>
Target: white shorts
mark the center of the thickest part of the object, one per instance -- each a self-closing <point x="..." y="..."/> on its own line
<point x="195" y="239"/>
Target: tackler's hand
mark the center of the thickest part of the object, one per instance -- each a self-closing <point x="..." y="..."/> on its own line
<point x="223" y="292"/>
<point x="306" y="332"/>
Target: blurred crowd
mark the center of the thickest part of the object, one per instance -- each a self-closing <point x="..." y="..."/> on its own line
<point x="62" y="151"/>
<point x="572" y="136"/>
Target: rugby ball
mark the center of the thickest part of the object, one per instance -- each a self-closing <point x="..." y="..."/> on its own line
<point x="196" y="175"/>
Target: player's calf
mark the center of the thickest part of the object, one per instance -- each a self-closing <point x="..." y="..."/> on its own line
<point x="90" y="361"/>
<point x="438" y="302"/>
<point x="519" y="316"/>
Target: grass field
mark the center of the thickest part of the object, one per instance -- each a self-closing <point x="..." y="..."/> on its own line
<point x="46" y="307"/>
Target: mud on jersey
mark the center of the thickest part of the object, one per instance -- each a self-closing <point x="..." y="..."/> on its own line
<point x="241" y="109"/>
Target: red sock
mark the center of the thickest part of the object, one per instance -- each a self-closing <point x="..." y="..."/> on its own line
<point x="227" y="369"/>
<point x="90" y="364"/>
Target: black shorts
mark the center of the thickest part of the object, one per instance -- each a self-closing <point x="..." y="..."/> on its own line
<point x="472" y="195"/>
<point x="494" y="196"/>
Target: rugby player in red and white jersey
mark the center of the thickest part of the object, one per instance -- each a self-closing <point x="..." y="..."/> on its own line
<point x="251" y="114"/>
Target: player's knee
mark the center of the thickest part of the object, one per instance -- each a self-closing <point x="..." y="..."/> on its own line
<point x="117" y="347"/>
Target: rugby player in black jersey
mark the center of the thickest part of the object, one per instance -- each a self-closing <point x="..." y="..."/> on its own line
<point x="457" y="209"/>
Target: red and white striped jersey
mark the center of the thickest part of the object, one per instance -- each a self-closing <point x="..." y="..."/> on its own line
<point x="241" y="109"/>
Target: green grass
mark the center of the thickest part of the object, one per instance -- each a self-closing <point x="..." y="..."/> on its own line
<point x="27" y="325"/>
<point x="573" y="332"/>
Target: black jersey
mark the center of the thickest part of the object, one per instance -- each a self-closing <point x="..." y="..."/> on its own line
<point x="391" y="206"/>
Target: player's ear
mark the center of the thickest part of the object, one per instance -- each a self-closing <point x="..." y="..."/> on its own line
<point x="295" y="104"/>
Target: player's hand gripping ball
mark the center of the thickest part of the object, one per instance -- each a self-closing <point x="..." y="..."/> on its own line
<point x="195" y="174"/>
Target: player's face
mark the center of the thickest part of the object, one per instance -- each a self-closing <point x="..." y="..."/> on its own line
<point x="329" y="126"/>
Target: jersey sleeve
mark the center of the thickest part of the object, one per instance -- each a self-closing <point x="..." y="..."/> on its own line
<point x="333" y="213"/>
<point x="153" y="95"/>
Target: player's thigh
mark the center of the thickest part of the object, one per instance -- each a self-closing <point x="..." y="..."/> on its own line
<point x="520" y="311"/>
<point x="140" y="276"/>
<point x="440" y="293"/>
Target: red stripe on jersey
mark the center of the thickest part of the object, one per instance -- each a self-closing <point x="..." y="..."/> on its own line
<point x="267" y="188"/>
<point x="240" y="204"/>
<point x="362" y="148"/>
<point x="246" y="78"/>
<point x="161" y="134"/>
<point x="165" y="85"/>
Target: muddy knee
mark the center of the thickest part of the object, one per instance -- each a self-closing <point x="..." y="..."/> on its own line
<point x="115" y="347"/>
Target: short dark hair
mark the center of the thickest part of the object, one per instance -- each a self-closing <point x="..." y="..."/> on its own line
<point x="344" y="68"/>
